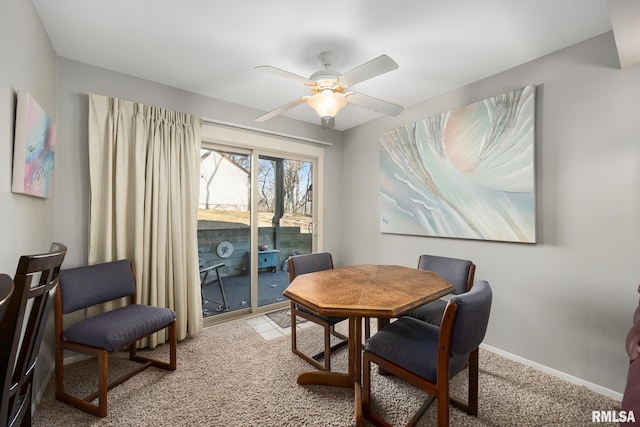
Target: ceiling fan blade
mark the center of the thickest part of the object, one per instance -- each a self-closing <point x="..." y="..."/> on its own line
<point x="380" y="65"/>
<point x="283" y="73"/>
<point x="282" y="109"/>
<point x="375" y="104"/>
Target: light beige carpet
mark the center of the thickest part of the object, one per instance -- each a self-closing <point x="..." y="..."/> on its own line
<point x="230" y="376"/>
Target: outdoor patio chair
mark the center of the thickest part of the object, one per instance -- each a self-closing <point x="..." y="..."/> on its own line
<point x="108" y="332"/>
<point x="21" y="331"/>
<point x="204" y="274"/>
<point x="428" y="356"/>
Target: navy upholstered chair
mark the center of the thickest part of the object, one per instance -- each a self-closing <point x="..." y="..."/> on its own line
<point x="108" y="332"/>
<point x="309" y="263"/>
<point x="22" y="328"/>
<point x="428" y="356"/>
<point x="459" y="272"/>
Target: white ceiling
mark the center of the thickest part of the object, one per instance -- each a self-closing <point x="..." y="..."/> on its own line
<point x="211" y="47"/>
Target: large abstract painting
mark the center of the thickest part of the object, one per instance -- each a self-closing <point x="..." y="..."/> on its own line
<point x="33" y="149"/>
<point x="467" y="173"/>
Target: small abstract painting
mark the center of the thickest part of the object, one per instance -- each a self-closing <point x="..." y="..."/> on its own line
<point x="33" y="149"/>
<point x="467" y="173"/>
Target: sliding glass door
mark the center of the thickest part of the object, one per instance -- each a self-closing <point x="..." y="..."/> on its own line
<point x="255" y="211"/>
<point x="285" y="212"/>
<point x="224" y="230"/>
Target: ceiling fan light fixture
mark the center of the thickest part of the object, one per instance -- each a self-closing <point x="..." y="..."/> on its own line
<point x="327" y="103"/>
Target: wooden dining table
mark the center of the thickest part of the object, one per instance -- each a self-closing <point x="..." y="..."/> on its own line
<point x="373" y="291"/>
<point x="6" y="290"/>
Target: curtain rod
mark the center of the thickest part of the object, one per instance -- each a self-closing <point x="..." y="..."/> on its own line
<point x="266" y="132"/>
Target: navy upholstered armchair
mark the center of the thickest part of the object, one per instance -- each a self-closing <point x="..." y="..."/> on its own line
<point x="108" y="332"/>
<point x="459" y="272"/>
<point x="309" y="263"/>
<point x="428" y="356"/>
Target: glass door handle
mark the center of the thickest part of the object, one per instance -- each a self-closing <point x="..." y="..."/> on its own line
<point x="313" y="228"/>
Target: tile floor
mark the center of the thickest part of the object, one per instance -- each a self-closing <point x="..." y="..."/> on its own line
<point x="269" y="329"/>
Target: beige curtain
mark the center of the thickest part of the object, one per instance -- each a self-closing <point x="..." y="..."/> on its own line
<point x="144" y="171"/>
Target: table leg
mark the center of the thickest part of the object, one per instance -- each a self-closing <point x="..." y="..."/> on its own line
<point x="355" y="348"/>
<point x="337" y="379"/>
<point x="353" y="378"/>
<point x="340" y="379"/>
<point x="355" y="365"/>
<point x="382" y="322"/>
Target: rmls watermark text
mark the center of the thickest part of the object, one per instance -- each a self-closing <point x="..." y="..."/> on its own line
<point x="613" y="417"/>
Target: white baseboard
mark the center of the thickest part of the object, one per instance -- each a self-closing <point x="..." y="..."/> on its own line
<point x="38" y="397"/>
<point x="75" y="358"/>
<point x="562" y="375"/>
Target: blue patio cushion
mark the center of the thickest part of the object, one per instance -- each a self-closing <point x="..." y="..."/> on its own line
<point x="114" y="329"/>
<point x="412" y="344"/>
<point x="83" y="287"/>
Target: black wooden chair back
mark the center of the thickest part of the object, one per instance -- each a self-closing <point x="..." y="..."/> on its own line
<point x="22" y="328"/>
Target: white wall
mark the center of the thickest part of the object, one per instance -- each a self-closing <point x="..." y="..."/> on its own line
<point x="29" y="64"/>
<point x="567" y="301"/>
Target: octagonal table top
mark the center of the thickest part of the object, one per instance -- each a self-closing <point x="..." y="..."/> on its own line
<point x="367" y="290"/>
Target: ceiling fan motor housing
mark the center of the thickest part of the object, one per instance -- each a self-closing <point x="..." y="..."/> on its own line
<point x="326" y="79"/>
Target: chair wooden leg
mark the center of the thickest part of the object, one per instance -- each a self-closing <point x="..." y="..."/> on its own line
<point x="294" y="341"/>
<point x="338" y="334"/>
<point x="442" y="395"/>
<point x="103" y="383"/>
<point x="162" y="364"/>
<point x="85" y="404"/>
<point x="473" y="383"/>
<point x="366" y="384"/>
<point x="104" y="386"/>
<point x="367" y="328"/>
<point x="358" y="404"/>
<point x="420" y="412"/>
<point x="309" y="359"/>
<point x="367" y="410"/>
<point x="173" y="347"/>
<point x="327" y="348"/>
<point x="293" y="328"/>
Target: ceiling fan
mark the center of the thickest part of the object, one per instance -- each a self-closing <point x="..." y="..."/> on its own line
<point x="328" y="88"/>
